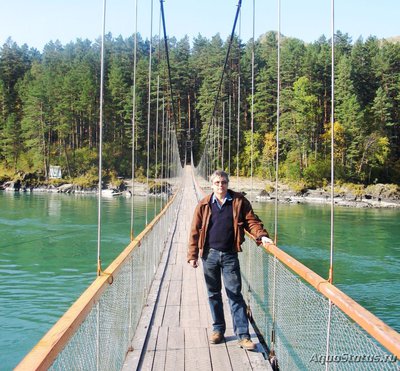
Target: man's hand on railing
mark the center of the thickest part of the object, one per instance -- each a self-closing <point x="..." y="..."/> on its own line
<point x="266" y="240"/>
<point x="193" y="263"/>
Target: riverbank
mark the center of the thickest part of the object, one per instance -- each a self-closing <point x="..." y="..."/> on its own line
<point x="373" y="196"/>
<point x="256" y="189"/>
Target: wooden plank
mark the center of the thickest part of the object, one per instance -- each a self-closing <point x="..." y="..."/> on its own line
<point x="162" y="298"/>
<point x="258" y="359"/>
<point x="174" y="293"/>
<point x="197" y="352"/>
<point x="176" y="273"/>
<point x="161" y="350"/>
<point x="149" y="351"/>
<point x="190" y="316"/>
<point x="189" y="289"/>
<point x="219" y="356"/>
<point x="205" y="315"/>
<point x="173" y="251"/>
<point x="159" y="315"/>
<point x="175" y="358"/>
<point x="171" y="316"/>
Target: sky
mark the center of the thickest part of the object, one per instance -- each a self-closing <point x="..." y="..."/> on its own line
<point x="36" y="22"/>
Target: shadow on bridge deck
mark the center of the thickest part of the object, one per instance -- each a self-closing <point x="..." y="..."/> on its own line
<point x="175" y="326"/>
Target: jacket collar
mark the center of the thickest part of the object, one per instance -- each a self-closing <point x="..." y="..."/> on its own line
<point x="235" y="195"/>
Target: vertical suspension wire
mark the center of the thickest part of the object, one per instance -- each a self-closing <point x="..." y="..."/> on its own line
<point x="252" y="102"/>
<point x="149" y="112"/>
<point x="238" y="105"/>
<point x="278" y="117"/>
<point x="330" y="279"/>
<point x="101" y="141"/>
<point x="168" y="143"/>
<point x="332" y="138"/>
<point x="157" y="111"/>
<point x="156" y="172"/>
<point x="229" y="134"/>
<point x="278" y="113"/>
<point x="132" y="227"/>
<point x="223" y="134"/>
<point x="100" y="182"/>
<point x="162" y="150"/>
<point x="218" y="142"/>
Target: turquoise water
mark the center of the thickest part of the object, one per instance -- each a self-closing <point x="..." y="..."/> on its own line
<point x="48" y="255"/>
<point x="366" y="250"/>
<point x="48" y="252"/>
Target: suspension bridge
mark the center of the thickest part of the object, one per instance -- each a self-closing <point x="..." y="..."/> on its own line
<point x="148" y="310"/>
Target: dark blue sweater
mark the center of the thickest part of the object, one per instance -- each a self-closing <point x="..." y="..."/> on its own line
<point x="220" y="227"/>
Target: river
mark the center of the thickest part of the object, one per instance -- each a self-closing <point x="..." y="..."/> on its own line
<point x="48" y="252"/>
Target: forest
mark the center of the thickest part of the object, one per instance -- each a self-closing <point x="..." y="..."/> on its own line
<point x="49" y="106"/>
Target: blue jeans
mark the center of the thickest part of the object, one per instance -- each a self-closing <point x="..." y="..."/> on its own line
<point x="216" y="263"/>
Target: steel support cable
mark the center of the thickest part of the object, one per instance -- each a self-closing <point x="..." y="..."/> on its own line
<point x="272" y="356"/>
<point x="132" y="233"/>
<point x="162" y="148"/>
<point x="157" y="109"/>
<point x="100" y="141"/>
<point x="131" y="297"/>
<point x="170" y="153"/>
<point x="167" y="58"/>
<point x="252" y="102"/>
<point x="225" y="64"/>
<point x="251" y="142"/>
<point x="238" y="107"/>
<point x="330" y="279"/>
<point x="100" y="182"/>
<point x="223" y="134"/>
<point x="229" y="134"/>
<point x="148" y="111"/>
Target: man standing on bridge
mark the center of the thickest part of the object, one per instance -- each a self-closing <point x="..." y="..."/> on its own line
<point x="216" y="234"/>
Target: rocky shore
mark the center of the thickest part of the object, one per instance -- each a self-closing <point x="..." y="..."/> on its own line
<point x="375" y="196"/>
<point x="257" y="190"/>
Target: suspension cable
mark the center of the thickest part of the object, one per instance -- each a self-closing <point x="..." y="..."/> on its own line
<point x="157" y="109"/>
<point x="167" y="57"/>
<point x="252" y="102"/>
<point x="223" y="134"/>
<point x="330" y="279"/>
<point x="278" y="112"/>
<point x="100" y="181"/>
<point x="238" y="107"/>
<point x="162" y="150"/>
<point x="148" y="110"/>
<point x="332" y="140"/>
<point x="224" y="67"/>
<point x="101" y="141"/>
<point x="229" y="134"/>
<point x="134" y="121"/>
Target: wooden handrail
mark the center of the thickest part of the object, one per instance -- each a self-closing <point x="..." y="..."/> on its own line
<point x="375" y="327"/>
<point x="43" y="354"/>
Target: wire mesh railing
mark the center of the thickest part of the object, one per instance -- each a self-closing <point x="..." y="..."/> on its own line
<point x="95" y="333"/>
<point x="297" y="317"/>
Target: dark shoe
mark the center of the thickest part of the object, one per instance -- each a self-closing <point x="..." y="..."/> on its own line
<point x="247" y="344"/>
<point x="216" y="337"/>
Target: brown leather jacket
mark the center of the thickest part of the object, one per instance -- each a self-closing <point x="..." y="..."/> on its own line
<point x="243" y="219"/>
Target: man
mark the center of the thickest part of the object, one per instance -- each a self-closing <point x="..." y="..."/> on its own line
<point x="216" y="235"/>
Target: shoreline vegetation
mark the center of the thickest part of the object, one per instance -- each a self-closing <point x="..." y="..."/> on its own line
<point x="256" y="189"/>
<point x="49" y="107"/>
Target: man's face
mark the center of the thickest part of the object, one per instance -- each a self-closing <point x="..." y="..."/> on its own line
<point x="220" y="186"/>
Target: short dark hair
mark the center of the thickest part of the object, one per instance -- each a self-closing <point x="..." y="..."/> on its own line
<point x="219" y="173"/>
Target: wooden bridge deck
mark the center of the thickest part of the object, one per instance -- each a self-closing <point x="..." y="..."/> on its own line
<point x="175" y="326"/>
